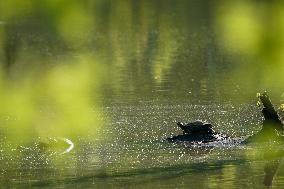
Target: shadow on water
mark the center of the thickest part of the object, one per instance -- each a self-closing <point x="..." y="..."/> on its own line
<point x="267" y="162"/>
<point x="270" y="170"/>
<point x="141" y="176"/>
<point x="273" y="155"/>
<point x="44" y="166"/>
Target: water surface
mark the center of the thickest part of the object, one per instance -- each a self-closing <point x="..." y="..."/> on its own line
<point x="90" y="90"/>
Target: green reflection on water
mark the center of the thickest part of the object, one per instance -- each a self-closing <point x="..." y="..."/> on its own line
<point x="62" y="61"/>
<point x="60" y="100"/>
<point x="156" y="48"/>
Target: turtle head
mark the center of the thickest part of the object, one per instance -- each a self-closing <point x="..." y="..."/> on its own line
<point x="180" y="124"/>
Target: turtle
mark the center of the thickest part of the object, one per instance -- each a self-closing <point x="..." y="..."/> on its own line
<point x="197" y="127"/>
<point x="272" y="128"/>
<point x="197" y="131"/>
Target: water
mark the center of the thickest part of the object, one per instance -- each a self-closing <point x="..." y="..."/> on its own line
<point x="90" y="90"/>
<point x="131" y="151"/>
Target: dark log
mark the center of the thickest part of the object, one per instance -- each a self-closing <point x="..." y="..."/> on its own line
<point x="272" y="127"/>
<point x="271" y="118"/>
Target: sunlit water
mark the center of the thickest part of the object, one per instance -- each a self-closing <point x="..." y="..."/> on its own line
<point x="131" y="152"/>
<point x="130" y="70"/>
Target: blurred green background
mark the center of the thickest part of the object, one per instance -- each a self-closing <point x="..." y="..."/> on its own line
<point x="65" y="57"/>
<point x="62" y="60"/>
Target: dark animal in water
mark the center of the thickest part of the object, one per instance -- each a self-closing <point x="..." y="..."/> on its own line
<point x="272" y="128"/>
<point x="197" y="127"/>
<point x="197" y="131"/>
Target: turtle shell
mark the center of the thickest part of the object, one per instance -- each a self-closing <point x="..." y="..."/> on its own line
<point x="197" y="127"/>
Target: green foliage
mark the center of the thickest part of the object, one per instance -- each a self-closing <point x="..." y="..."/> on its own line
<point x="61" y="58"/>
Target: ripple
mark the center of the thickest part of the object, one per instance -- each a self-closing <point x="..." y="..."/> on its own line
<point x="71" y="145"/>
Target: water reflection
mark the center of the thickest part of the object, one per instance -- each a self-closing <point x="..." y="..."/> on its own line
<point x="270" y="170"/>
<point x="113" y="77"/>
<point x="130" y="148"/>
<point x="156" y="49"/>
<point x="136" y="155"/>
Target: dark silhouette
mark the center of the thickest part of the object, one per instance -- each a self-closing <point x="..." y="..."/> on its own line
<point x="272" y="128"/>
<point x="197" y="132"/>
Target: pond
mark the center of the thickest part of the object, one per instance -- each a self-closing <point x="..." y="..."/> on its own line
<point x="131" y="152"/>
<point x="90" y="91"/>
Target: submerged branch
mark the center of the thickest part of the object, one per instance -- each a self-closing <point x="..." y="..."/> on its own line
<point x="272" y="127"/>
<point x="271" y="118"/>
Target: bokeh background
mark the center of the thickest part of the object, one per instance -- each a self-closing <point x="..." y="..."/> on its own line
<point x="66" y="57"/>
<point x="62" y="60"/>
